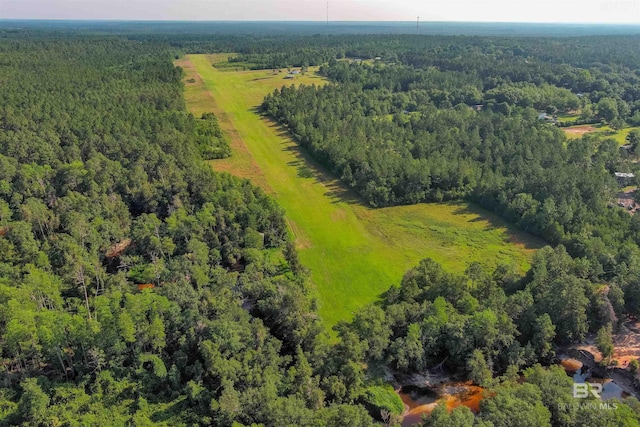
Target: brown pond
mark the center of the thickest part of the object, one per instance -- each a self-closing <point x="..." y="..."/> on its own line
<point x="571" y="365"/>
<point x="424" y="400"/>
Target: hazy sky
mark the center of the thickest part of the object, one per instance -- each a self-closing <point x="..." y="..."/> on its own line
<point x="604" y="11"/>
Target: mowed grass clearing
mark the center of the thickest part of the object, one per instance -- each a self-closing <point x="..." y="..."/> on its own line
<point x="354" y="252"/>
<point x="620" y="136"/>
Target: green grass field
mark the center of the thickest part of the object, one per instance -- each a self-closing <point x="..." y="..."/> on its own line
<point x="354" y="252"/>
<point x="620" y="136"/>
<point x="568" y="118"/>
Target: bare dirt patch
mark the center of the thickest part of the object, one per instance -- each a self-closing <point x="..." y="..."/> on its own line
<point x="627" y="343"/>
<point x="579" y="130"/>
<point x="626" y="199"/>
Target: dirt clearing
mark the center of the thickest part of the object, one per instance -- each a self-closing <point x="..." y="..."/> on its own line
<point x="577" y="131"/>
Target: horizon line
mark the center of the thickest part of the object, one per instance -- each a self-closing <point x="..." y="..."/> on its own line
<point x="323" y="22"/>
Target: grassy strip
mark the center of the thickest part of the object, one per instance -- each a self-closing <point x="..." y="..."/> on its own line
<point x="354" y="253"/>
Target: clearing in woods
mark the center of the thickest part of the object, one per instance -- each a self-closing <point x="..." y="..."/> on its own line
<point x="578" y="131"/>
<point x="354" y="252"/>
<point x="620" y="136"/>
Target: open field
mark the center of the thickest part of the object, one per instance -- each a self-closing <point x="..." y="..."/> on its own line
<point x="577" y="131"/>
<point x="620" y="136"/>
<point x="354" y="252"/>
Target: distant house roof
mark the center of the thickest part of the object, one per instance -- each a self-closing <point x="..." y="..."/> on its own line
<point x="545" y="116"/>
<point x="288" y="76"/>
<point x="624" y="175"/>
<point x="295" y="72"/>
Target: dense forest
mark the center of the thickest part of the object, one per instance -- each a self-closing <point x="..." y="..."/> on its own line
<point x="140" y="287"/>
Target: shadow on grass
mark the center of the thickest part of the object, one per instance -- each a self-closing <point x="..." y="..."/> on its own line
<point x="308" y="167"/>
<point x="303" y="170"/>
<point x="514" y="234"/>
